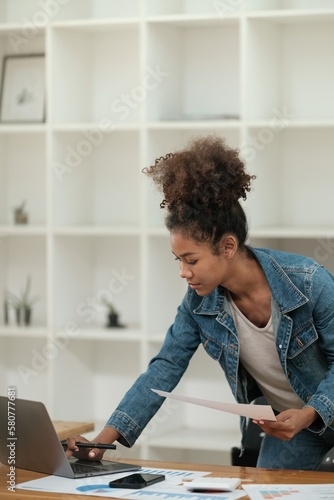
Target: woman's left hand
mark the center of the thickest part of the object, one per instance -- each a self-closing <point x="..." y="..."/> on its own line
<point x="288" y="423"/>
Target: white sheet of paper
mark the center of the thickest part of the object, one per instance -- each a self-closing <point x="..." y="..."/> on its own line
<point x="258" y="412"/>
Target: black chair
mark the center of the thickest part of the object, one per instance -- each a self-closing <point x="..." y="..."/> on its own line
<point x="327" y="465"/>
<point x="253" y="442"/>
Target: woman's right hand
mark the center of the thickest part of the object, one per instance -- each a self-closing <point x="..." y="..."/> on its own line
<point x="107" y="436"/>
<point x="82" y="453"/>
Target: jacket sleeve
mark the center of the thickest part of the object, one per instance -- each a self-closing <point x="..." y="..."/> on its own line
<point x="322" y="296"/>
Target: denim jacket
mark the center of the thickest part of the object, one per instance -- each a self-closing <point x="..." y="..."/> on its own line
<point x="303" y="320"/>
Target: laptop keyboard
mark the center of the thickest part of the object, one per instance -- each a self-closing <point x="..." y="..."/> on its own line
<point x="80" y="468"/>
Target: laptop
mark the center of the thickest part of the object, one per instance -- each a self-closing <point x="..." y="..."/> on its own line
<point x="36" y="446"/>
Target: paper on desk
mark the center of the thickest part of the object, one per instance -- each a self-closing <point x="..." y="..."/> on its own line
<point x="172" y="488"/>
<point x="258" y="412"/>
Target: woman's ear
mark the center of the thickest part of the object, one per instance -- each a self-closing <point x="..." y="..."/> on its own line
<point x="229" y="245"/>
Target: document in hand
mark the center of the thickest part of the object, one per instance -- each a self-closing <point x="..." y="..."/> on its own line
<point x="257" y="412"/>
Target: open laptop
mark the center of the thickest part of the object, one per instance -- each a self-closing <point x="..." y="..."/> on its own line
<point x="36" y="446"/>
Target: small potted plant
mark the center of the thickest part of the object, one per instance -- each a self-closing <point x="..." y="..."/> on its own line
<point x="20" y="214"/>
<point x="112" y="314"/>
<point x="14" y="302"/>
<point x="22" y="304"/>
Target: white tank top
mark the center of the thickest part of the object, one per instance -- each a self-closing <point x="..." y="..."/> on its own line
<point x="259" y="356"/>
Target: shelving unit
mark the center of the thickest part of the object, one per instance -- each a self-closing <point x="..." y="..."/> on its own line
<point x="126" y="83"/>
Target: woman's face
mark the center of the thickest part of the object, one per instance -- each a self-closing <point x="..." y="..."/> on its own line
<point x="203" y="270"/>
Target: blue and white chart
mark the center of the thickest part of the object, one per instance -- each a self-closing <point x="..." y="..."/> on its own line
<point x="290" y="491"/>
<point x="171" y="489"/>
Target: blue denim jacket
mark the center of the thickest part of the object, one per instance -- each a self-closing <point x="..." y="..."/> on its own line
<point x="303" y="321"/>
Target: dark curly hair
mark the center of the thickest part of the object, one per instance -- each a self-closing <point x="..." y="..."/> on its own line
<point x="201" y="185"/>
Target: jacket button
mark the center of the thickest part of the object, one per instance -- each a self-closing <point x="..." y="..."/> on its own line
<point x="299" y="342"/>
<point x="308" y="398"/>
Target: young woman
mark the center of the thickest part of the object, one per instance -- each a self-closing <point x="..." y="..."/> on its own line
<point x="265" y="316"/>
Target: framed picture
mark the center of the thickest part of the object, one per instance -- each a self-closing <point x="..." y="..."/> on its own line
<point x="23" y="89"/>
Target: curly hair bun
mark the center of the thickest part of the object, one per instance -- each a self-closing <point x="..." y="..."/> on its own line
<point x="206" y="173"/>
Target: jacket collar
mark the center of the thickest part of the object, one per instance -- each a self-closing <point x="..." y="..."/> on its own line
<point x="284" y="291"/>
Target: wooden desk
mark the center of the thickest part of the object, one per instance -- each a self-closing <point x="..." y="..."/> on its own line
<point x="65" y="429"/>
<point x="258" y="475"/>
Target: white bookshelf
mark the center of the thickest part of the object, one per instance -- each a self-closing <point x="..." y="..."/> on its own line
<point x="128" y="82"/>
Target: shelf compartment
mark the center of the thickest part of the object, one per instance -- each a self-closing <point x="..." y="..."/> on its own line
<point x="91" y="269"/>
<point x="17" y="262"/>
<point x="99" y="9"/>
<point x="105" y="370"/>
<point x="289" y="191"/>
<point x="291" y="87"/>
<point x="181" y="53"/>
<point x="191" y="8"/>
<point x="22" y="12"/>
<point x="91" y="172"/>
<point x="23" y="176"/>
<point x="39" y="13"/>
<point x="105" y="84"/>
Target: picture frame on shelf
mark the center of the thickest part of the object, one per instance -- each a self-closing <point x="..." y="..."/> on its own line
<point x="23" y="89"/>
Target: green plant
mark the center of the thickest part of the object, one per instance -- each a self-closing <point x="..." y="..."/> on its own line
<point x="23" y="302"/>
<point x="20" y="214"/>
<point x="109" y="306"/>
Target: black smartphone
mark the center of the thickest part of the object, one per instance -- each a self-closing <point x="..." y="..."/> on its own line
<point x="137" y="480"/>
